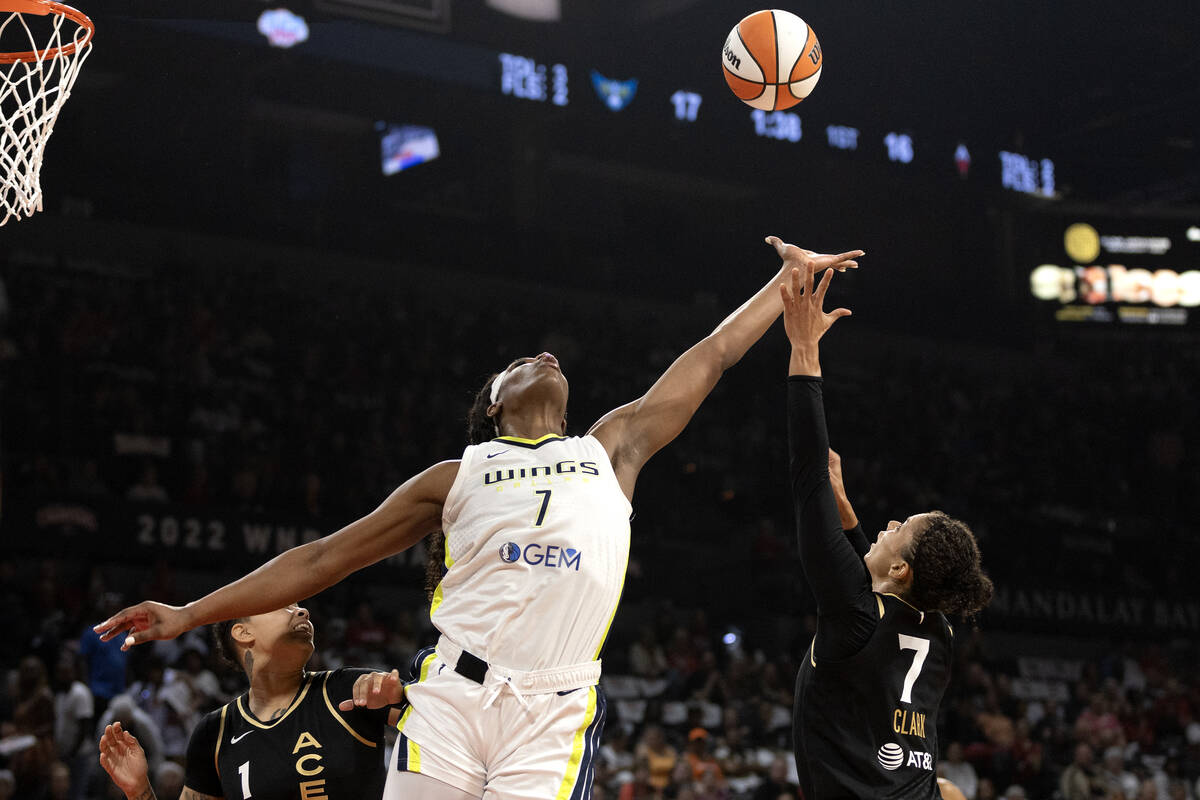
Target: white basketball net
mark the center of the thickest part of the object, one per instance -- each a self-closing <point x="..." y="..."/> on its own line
<point x="32" y="92"/>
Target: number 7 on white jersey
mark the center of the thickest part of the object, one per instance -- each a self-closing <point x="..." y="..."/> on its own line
<point x="921" y="646"/>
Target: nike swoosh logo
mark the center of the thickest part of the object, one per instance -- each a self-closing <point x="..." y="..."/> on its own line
<point x="493" y="455"/>
<point x="236" y="739"/>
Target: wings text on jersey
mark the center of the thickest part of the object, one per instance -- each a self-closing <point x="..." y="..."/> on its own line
<point x="566" y="468"/>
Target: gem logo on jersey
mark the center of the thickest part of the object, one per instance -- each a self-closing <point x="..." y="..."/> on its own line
<point x="891" y="756"/>
<point x="536" y="555"/>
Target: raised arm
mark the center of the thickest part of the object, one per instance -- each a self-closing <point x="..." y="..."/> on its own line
<point x="402" y="520"/>
<point x="835" y="571"/>
<point x="634" y="432"/>
<point x="850" y="524"/>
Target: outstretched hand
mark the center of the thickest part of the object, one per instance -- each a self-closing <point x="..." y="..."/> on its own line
<point x="146" y="621"/>
<point x="804" y="317"/>
<point x="794" y="256"/>
<point x="375" y="690"/>
<point x="124" y="760"/>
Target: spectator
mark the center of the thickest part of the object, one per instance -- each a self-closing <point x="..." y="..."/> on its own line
<point x="105" y="660"/>
<point x="1079" y="781"/>
<point x="122" y="709"/>
<point x="1114" y="774"/>
<point x="59" y="787"/>
<point x="366" y="638"/>
<point x="169" y="781"/>
<point x="660" y="757"/>
<point x="75" y="717"/>
<point x="700" y="760"/>
<point x="958" y="771"/>
<point x="646" y="656"/>
<point x="205" y="689"/>
<point x="33" y="716"/>
<point x="640" y="787"/>
<point x="776" y="783"/>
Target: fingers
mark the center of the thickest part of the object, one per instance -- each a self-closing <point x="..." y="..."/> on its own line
<point x="375" y="690"/>
<point x="777" y="243"/>
<point x="808" y="281"/>
<point x="822" y="288"/>
<point x="122" y="620"/>
<point x="137" y="637"/>
<point x="838" y="313"/>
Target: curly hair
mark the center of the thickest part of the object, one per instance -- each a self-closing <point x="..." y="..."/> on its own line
<point x="224" y="646"/>
<point x="947" y="574"/>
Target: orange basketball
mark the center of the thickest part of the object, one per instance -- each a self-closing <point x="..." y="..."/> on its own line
<point x="771" y="60"/>
<point x="950" y="791"/>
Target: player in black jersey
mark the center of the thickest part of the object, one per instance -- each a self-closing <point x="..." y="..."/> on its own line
<point x="869" y="687"/>
<point x="294" y="734"/>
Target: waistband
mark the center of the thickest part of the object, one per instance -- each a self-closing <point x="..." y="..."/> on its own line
<point x="539" y="681"/>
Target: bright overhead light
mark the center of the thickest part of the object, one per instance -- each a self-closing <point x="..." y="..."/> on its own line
<point x="282" y="28"/>
<point x="1193" y="234"/>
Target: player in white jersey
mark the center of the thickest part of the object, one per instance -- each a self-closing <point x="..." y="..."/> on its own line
<point x="507" y="706"/>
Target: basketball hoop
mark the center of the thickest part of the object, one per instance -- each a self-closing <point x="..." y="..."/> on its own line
<point x="42" y="46"/>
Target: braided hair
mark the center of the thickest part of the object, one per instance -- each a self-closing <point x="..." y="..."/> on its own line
<point x="947" y="573"/>
<point x="480" y="427"/>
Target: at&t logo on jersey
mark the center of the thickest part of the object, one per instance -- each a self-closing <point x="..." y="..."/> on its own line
<point x="537" y="555"/>
<point x="891" y="757"/>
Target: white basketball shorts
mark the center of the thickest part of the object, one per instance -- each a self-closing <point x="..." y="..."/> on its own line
<point x="493" y="741"/>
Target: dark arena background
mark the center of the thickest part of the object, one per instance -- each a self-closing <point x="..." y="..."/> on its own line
<point x="269" y="279"/>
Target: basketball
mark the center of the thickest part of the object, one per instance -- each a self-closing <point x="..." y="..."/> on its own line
<point x="771" y="60"/>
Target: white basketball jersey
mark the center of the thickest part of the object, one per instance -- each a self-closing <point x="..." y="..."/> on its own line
<point x="537" y="543"/>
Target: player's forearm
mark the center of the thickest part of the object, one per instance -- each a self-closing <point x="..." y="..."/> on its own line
<point x="805" y="360"/>
<point x="745" y="326"/>
<point x="288" y="578"/>
<point x="845" y="510"/>
<point x="833" y="570"/>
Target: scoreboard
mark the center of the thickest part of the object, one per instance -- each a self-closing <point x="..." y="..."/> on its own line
<point x="1091" y="269"/>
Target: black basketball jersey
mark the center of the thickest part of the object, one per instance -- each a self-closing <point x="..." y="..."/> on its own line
<point x="312" y="752"/>
<point x="866" y="726"/>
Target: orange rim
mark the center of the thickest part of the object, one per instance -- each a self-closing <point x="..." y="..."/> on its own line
<point x="42" y="8"/>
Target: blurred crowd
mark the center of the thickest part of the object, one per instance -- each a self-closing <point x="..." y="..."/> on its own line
<point x="696" y="712"/>
<point x="255" y="388"/>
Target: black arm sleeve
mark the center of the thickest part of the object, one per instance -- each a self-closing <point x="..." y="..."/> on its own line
<point x="201" y="774"/>
<point x="835" y="571"/>
<point x="858" y="540"/>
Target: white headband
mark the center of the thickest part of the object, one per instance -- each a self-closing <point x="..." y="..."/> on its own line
<point x="496" y="386"/>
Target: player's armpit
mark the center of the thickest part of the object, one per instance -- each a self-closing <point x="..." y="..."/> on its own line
<point x="192" y="794"/>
